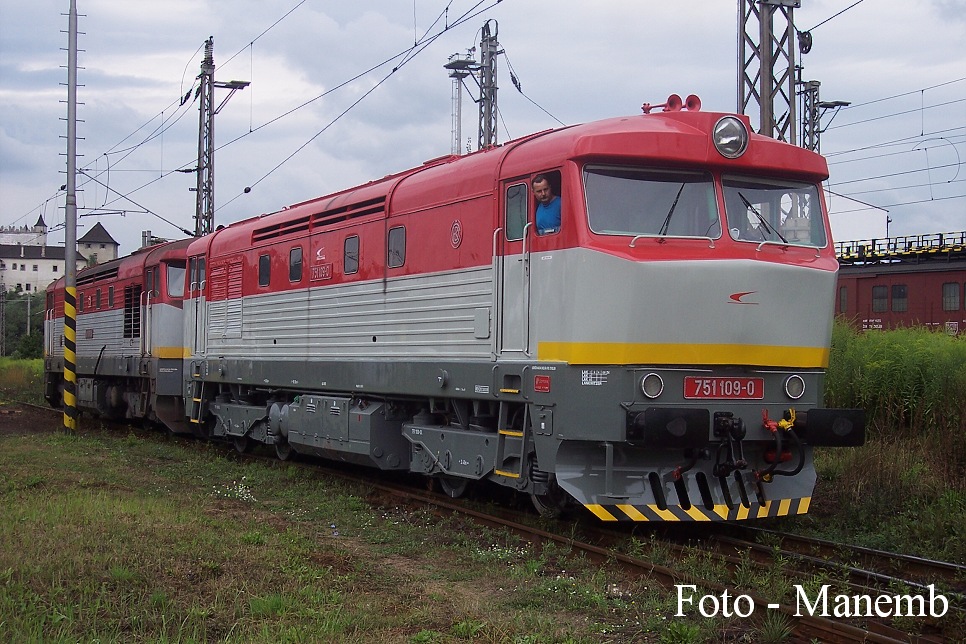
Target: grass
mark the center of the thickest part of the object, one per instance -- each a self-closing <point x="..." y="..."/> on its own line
<point x="144" y="540"/>
<point x="905" y="489"/>
<point x="22" y="380"/>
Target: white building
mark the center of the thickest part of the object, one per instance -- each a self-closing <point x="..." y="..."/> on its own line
<point x="97" y="245"/>
<point x="28" y="264"/>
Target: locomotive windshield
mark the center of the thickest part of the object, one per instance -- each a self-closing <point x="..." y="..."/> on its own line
<point x="645" y="201"/>
<point x="764" y="210"/>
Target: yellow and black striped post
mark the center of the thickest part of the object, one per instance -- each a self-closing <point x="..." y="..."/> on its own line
<point x="70" y="231"/>
<point x="70" y="359"/>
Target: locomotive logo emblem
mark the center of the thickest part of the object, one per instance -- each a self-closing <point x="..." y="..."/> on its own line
<point x="456" y="234"/>
<point x="736" y="298"/>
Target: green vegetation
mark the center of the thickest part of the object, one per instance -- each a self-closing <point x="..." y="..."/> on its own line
<point x="910" y="382"/>
<point x="905" y="490"/>
<point x="22" y="380"/>
<point x="148" y="539"/>
<point x="18" y="343"/>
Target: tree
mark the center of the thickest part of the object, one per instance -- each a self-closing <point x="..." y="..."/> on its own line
<point x="30" y="346"/>
<point x="15" y="321"/>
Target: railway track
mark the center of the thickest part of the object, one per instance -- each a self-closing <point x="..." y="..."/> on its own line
<point x="868" y="566"/>
<point x="805" y="627"/>
<point x="867" y="570"/>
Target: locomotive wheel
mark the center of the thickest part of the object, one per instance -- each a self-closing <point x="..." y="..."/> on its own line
<point x="242" y="444"/>
<point x="453" y="487"/>
<point x="552" y="504"/>
<point x="283" y="450"/>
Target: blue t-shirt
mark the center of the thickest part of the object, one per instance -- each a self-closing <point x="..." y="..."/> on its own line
<point x="548" y="217"/>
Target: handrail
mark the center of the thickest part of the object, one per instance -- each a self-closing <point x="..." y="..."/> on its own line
<point x="525" y="290"/>
<point x="663" y="238"/>
<point x="497" y="293"/>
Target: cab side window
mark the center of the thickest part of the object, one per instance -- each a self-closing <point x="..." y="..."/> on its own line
<point x="515" y="217"/>
<point x="547" y="208"/>
<point x="397" y="247"/>
<point x="350" y="255"/>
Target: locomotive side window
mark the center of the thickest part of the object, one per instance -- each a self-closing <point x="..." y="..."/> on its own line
<point x="516" y="211"/>
<point x="785" y="212"/>
<point x="264" y="270"/>
<point x="350" y="255"/>
<point x="397" y="247"/>
<point x="295" y="264"/>
<point x="196" y="268"/>
<point x="97" y="299"/>
<point x="900" y="298"/>
<point x="951" y="296"/>
<point x="151" y="283"/>
<point x="547" y="202"/>
<point x="645" y="201"/>
<point x="880" y="299"/>
<point x="110" y="297"/>
<point x="174" y="275"/>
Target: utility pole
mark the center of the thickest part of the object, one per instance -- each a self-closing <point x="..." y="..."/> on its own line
<point x="70" y="234"/>
<point x="3" y="319"/>
<point x="205" y="185"/>
<point x="489" y="50"/>
<point x="484" y="74"/>
<point x="811" y="116"/>
<point x="459" y="68"/>
<point x="766" y="66"/>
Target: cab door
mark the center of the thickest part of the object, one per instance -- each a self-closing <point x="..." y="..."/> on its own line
<point x="148" y="297"/>
<point x="195" y="308"/>
<point x="512" y="271"/>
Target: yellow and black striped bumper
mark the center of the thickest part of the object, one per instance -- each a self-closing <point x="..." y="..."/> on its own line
<point x="776" y="508"/>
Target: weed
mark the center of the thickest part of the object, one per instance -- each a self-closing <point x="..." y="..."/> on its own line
<point x="254" y="538"/>
<point x="271" y="605"/>
<point x="775" y="628"/>
<point x="468" y="628"/>
<point x="121" y="574"/>
<point x="681" y="633"/>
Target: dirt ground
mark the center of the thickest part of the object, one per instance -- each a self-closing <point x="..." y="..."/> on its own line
<point x="19" y="420"/>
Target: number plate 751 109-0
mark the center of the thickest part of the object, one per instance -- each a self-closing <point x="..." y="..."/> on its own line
<point x="724" y="388"/>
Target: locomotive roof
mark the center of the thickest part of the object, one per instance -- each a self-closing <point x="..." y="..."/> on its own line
<point x="681" y="138"/>
<point x="130" y="265"/>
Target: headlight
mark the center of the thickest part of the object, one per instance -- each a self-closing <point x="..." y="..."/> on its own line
<point x="794" y="387"/>
<point x="652" y="385"/>
<point x="730" y="137"/>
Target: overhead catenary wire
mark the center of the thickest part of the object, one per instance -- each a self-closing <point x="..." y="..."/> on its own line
<point x="170" y="118"/>
<point x="515" y="79"/>
<point x="407" y="55"/>
<point x="857" y="2"/>
<point x="181" y="102"/>
<point x="916" y="151"/>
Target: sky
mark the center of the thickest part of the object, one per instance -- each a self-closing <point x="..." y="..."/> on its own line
<point x="342" y="93"/>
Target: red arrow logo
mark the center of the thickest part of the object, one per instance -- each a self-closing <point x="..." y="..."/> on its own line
<point x="736" y="297"/>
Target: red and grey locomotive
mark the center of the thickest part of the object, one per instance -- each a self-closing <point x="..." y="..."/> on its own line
<point x="658" y="356"/>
